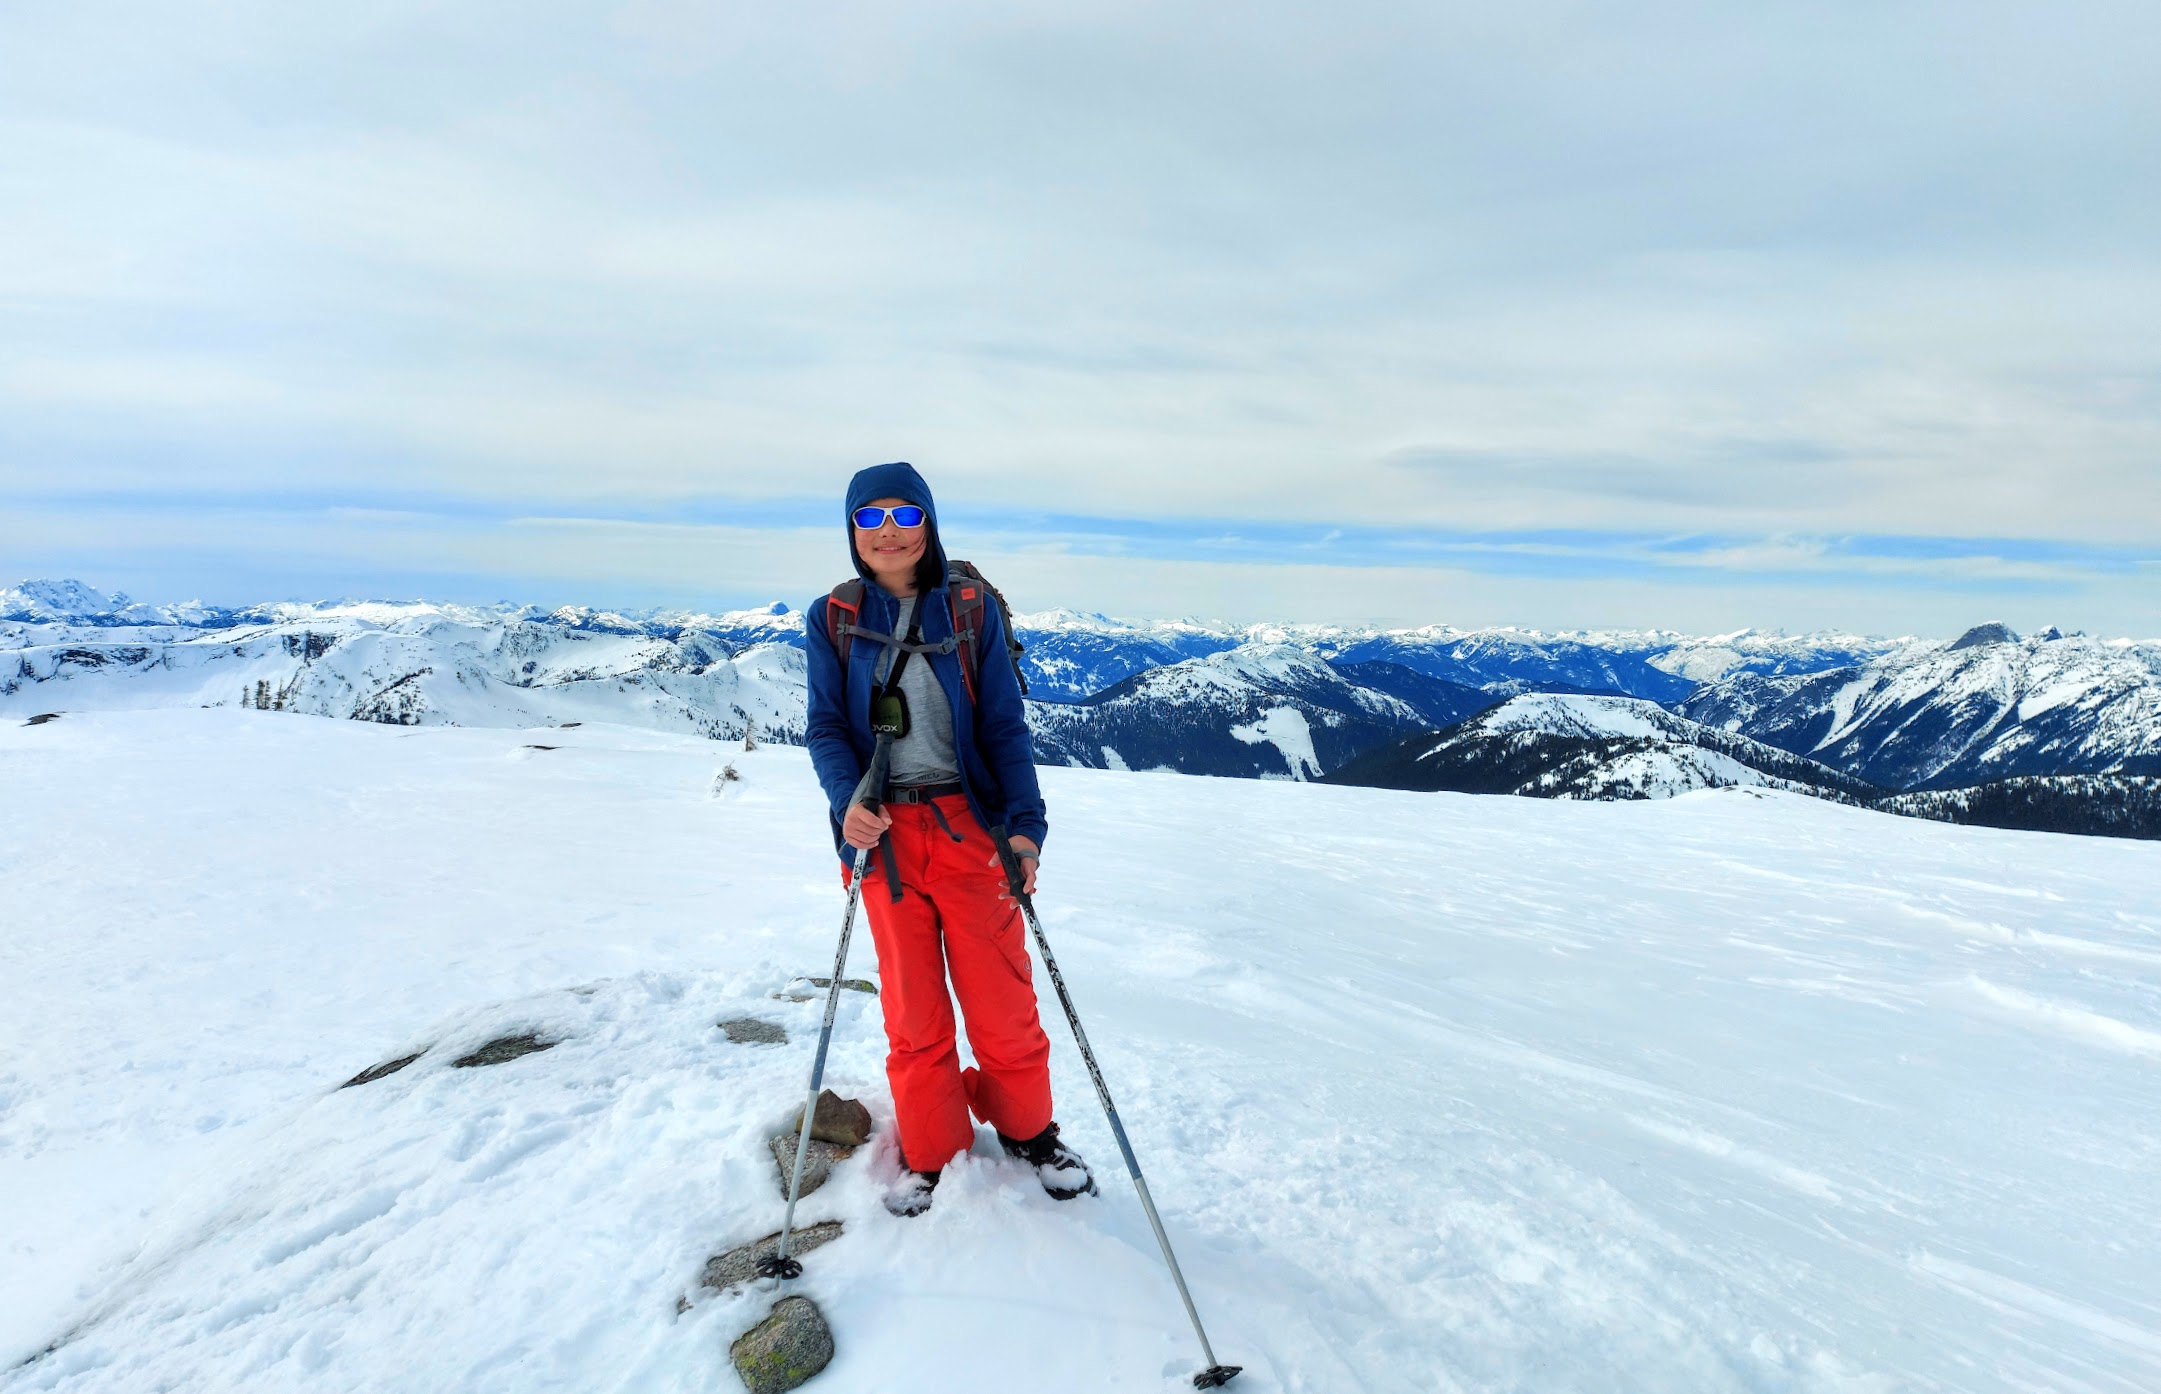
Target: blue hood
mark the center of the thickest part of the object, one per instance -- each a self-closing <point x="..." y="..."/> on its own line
<point x="895" y="481"/>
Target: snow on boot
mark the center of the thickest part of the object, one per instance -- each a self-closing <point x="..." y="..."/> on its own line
<point x="910" y="1195"/>
<point x="1057" y="1166"/>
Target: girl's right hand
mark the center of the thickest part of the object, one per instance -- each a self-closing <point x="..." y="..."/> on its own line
<point x="863" y="826"/>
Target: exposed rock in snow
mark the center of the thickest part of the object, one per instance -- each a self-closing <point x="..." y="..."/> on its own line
<point x="785" y="1350"/>
<point x="842" y="1122"/>
<point x="504" y="1049"/>
<point x="818" y="1162"/>
<point x="382" y="1071"/>
<point x="740" y="1265"/>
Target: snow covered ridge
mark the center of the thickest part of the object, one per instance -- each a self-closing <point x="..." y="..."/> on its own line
<point x="1577" y="747"/>
<point x="1266" y="711"/>
<point x="73" y="603"/>
<point x="1732" y="1093"/>
<point x="1072" y="655"/>
<point x="1989" y="705"/>
<point x="414" y="665"/>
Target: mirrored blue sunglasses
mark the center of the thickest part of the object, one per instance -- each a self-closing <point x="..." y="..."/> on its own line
<point x="907" y="515"/>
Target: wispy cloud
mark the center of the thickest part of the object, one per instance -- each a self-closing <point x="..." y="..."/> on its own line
<point x="722" y="552"/>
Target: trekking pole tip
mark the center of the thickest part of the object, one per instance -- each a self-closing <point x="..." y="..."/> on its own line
<point x="1216" y="1376"/>
<point x="774" y="1266"/>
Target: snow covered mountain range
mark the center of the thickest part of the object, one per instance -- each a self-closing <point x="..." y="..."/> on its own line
<point x="1296" y="701"/>
<point x="1551" y="745"/>
<point x="411" y="664"/>
<point x="1168" y="694"/>
<point x="1989" y="705"/>
<point x="1259" y="710"/>
<point x="1073" y="656"/>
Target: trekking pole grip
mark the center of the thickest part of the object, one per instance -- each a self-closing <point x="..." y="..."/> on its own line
<point x="870" y="789"/>
<point x="1016" y="876"/>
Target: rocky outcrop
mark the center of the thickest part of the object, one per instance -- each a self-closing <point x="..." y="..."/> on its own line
<point x="785" y="1350"/>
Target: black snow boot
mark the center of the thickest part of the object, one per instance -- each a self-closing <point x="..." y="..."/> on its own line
<point x="1057" y="1166"/>
<point x="910" y="1195"/>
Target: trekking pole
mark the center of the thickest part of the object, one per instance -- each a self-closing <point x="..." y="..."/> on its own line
<point x="867" y="793"/>
<point x="1215" y="1375"/>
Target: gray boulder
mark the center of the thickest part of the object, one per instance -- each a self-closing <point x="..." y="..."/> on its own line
<point x="817" y="1165"/>
<point x="738" y="1266"/>
<point x="842" y="1122"/>
<point x="786" y="1349"/>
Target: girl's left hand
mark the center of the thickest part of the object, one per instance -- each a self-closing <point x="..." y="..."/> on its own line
<point x="1028" y="853"/>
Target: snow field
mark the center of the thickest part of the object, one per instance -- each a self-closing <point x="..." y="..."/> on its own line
<point x="1284" y="728"/>
<point x="1738" y="1091"/>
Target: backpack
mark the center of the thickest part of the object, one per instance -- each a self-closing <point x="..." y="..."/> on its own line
<point x="967" y="591"/>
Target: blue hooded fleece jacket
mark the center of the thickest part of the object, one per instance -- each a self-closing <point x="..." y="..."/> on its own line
<point x="997" y="758"/>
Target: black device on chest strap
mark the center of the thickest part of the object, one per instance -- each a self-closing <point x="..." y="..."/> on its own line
<point x="888" y="704"/>
<point x="889" y="717"/>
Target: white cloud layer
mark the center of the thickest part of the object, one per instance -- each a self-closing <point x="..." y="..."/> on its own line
<point x="240" y="555"/>
<point x="1764" y="271"/>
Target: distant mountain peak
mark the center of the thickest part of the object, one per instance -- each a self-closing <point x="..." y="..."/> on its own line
<point x="1994" y="632"/>
<point x="58" y="599"/>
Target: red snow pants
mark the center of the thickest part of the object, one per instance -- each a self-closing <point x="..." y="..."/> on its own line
<point x="952" y="922"/>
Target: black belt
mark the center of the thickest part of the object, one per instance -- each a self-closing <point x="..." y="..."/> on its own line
<point x="921" y="793"/>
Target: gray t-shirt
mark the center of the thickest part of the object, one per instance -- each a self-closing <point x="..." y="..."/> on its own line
<point x="925" y="755"/>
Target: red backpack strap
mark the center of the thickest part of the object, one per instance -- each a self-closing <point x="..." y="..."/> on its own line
<point x="967" y="592"/>
<point x="843" y="608"/>
<point x="964" y="603"/>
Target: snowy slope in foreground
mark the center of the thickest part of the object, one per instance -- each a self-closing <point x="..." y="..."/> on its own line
<point x="1728" y="1092"/>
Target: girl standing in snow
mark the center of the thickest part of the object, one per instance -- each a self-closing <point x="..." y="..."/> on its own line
<point x="937" y="897"/>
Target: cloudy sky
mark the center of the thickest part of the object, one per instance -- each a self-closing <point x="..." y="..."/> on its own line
<point x="1696" y="315"/>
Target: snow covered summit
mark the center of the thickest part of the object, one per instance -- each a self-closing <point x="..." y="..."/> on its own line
<point x="1734" y="1092"/>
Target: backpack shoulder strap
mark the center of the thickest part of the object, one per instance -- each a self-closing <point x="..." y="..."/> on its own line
<point x="964" y="600"/>
<point x="843" y="608"/>
<point x="967" y="593"/>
